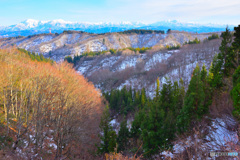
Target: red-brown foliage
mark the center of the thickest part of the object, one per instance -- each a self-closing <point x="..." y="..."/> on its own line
<point x="48" y="101"/>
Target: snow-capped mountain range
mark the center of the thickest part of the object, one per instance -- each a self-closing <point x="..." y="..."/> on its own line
<point x="31" y="26"/>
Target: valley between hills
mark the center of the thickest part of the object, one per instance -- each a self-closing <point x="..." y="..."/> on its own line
<point x="134" y="94"/>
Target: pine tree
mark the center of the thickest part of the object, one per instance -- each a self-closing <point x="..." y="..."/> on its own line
<point x="204" y="73"/>
<point x="136" y="124"/>
<point x="152" y="129"/>
<point x="157" y="94"/>
<point x="236" y="76"/>
<point x="108" y="136"/>
<point x="178" y="97"/>
<point x="235" y="93"/>
<point x="210" y="74"/>
<point x="158" y="125"/>
<point x="193" y="102"/>
<point x="143" y="97"/>
<point x="167" y="96"/>
<point x="123" y="136"/>
<point x="112" y="141"/>
<point x="216" y="74"/>
<point x="236" y="45"/>
<point x="226" y="55"/>
<point x="182" y="92"/>
<point x="137" y="100"/>
<point x="206" y="87"/>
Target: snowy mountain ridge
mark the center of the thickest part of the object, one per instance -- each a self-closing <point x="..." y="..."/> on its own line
<point x="31" y="26"/>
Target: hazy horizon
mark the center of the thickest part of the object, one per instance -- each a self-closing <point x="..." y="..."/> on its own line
<point x="118" y="22"/>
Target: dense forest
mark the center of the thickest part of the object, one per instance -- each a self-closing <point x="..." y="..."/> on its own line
<point x="173" y="110"/>
<point x="46" y="109"/>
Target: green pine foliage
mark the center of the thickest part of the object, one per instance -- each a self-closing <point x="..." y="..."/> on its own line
<point x="195" y="41"/>
<point x="124" y="101"/>
<point x="34" y="56"/>
<point x="68" y="59"/>
<point x="216" y="74"/>
<point x="108" y="136"/>
<point x="224" y="62"/>
<point x="236" y="44"/>
<point x="157" y="91"/>
<point x="235" y="93"/>
<point x="140" y="50"/>
<point x="173" y="47"/>
<point x="194" y="101"/>
<point x="153" y="129"/>
<point x="206" y="87"/>
<point x="226" y="55"/>
<point x="213" y="36"/>
<point x="159" y="124"/>
<point x="155" y="123"/>
<point x="236" y="76"/>
<point x="113" y="51"/>
<point x="123" y="136"/>
<point x="155" y="119"/>
<point x="143" y="97"/>
<point x="136" y="125"/>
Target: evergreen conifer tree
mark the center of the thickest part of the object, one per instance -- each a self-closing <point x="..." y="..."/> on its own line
<point x="123" y="136"/>
<point x="143" y="97"/>
<point x="167" y="96"/>
<point x="108" y="136"/>
<point x="193" y="102"/>
<point x="226" y="55"/>
<point x="216" y="74"/>
<point x="235" y="93"/>
<point x="236" y="45"/>
<point x="152" y="129"/>
<point x="157" y="94"/>
<point x="206" y="88"/>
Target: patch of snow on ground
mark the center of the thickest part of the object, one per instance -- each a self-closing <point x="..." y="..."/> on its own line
<point x="128" y="62"/>
<point x="109" y="62"/>
<point x="157" y="58"/>
<point x="53" y="145"/>
<point x="220" y="135"/>
<point x="84" y="67"/>
<point x="167" y="154"/>
<point x="129" y="82"/>
<point x="173" y="51"/>
<point x="115" y="125"/>
<point x="112" y="122"/>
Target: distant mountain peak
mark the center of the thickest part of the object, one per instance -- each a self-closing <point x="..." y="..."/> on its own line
<point x="32" y="26"/>
<point x="29" y="23"/>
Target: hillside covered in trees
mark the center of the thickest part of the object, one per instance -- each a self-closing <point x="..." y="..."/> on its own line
<point x="47" y="110"/>
<point x="175" y="113"/>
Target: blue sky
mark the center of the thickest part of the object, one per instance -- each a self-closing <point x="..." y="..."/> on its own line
<point x="202" y="11"/>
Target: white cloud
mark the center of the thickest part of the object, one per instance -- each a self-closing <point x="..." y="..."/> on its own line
<point x="187" y="10"/>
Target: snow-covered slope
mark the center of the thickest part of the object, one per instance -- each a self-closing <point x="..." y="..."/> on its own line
<point x="75" y="43"/>
<point x="142" y="70"/>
